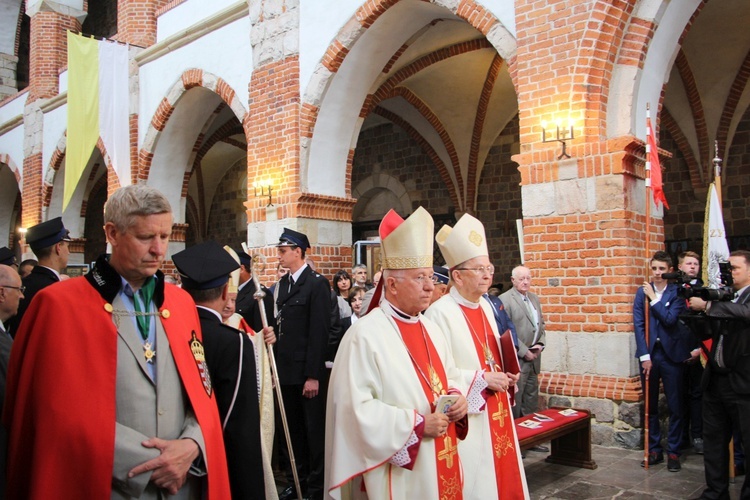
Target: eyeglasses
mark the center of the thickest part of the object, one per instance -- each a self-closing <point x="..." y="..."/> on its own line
<point x="422" y="279"/>
<point x="479" y="270"/>
<point x="19" y="288"/>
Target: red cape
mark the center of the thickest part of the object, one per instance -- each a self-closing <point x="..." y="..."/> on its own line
<point x="60" y="399"/>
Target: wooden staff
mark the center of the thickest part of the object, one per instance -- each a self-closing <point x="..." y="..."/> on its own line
<point x="645" y="299"/>
<point x="258" y="266"/>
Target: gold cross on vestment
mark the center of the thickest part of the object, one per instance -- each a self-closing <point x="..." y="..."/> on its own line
<point x="500" y="415"/>
<point x="448" y="452"/>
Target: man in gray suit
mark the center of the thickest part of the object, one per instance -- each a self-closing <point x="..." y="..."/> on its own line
<point x="525" y="312"/>
<point x="108" y="393"/>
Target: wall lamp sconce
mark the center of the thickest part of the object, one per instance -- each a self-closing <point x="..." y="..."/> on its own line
<point x="559" y="134"/>
<point x="262" y="190"/>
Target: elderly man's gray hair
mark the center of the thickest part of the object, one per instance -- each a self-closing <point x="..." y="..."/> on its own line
<point x="129" y="202"/>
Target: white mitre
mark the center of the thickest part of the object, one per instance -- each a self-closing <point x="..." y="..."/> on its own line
<point x="462" y="242"/>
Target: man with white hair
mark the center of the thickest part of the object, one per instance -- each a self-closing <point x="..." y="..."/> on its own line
<point x="390" y="422"/>
<point x="490" y="452"/>
<point x="525" y="312"/>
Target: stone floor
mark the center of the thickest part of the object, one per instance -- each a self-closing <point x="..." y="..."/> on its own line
<point x="619" y="475"/>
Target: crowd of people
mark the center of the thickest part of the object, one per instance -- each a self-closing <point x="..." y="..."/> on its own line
<point x="128" y="383"/>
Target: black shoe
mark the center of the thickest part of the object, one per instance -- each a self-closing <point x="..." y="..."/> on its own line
<point x="289" y="493"/>
<point x="739" y="470"/>
<point x="698" y="446"/>
<point x="653" y="459"/>
<point x="673" y="463"/>
<point x="540" y="448"/>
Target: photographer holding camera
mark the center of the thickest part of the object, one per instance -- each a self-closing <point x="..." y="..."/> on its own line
<point x="726" y="381"/>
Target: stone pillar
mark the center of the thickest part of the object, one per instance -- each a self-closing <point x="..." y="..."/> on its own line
<point x="8" y="82"/>
<point x="273" y="156"/>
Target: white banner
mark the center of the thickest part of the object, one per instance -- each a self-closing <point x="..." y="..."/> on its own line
<point x="715" y="248"/>
<point x="114" y="127"/>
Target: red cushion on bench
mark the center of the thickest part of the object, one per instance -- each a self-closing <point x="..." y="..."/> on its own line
<point x="557" y="421"/>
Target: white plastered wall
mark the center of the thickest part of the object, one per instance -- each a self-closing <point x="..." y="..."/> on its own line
<point x="225" y="53"/>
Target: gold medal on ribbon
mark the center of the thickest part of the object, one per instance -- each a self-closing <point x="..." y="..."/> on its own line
<point x="149" y="353"/>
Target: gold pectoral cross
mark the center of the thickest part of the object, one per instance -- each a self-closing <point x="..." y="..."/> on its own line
<point x="500" y="415"/>
<point x="448" y="452"/>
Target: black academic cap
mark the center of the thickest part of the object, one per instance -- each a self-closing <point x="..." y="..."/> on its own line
<point x="7" y="257"/>
<point x="47" y="234"/>
<point x="204" y="266"/>
<point x="441" y="274"/>
<point x="291" y="238"/>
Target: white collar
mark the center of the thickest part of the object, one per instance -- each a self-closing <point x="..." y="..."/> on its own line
<point x="216" y="313"/>
<point x="296" y="275"/>
<point x="56" y="273"/>
<point x="243" y="285"/>
<point x="461" y="300"/>
<point x="394" y="312"/>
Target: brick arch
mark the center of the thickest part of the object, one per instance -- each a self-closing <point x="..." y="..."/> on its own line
<point x="5" y="159"/>
<point x="730" y="106"/>
<point x="56" y="162"/>
<point x="190" y="78"/>
<point x="384" y="182"/>
<point x="632" y="49"/>
<point x="496" y="35"/>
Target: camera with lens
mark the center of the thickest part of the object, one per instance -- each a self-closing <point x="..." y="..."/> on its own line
<point x="689" y="286"/>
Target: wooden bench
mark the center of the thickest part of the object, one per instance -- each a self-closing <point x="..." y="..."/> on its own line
<point x="570" y="437"/>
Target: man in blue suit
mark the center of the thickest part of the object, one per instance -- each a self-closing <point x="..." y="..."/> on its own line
<point x="663" y="358"/>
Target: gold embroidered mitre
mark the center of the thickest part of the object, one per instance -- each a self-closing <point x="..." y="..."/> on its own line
<point x="407" y="244"/>
<point x="234" y="276"/>
<point x="463" y="241"/>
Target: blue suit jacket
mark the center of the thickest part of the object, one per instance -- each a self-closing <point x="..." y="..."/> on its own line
<point x="663" y="325"/>
<point x="501" y="317"/>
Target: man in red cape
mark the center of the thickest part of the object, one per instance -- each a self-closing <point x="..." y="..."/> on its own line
<point x="108" y="395"/>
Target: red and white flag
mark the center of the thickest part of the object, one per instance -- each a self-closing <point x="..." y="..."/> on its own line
<point x="652" y="159"/>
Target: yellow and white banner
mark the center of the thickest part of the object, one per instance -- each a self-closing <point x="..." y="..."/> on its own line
<point x="715" y="247"/>
<point x="97" y="107"/>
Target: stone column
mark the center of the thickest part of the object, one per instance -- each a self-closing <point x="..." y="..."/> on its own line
<point x="8" y="82"/>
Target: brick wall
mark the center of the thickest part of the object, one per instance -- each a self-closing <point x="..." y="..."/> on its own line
<point x="136" y="21"/>
<point x="101" y="20"/>
<point x="685" y="218"/>
<point x="499" y="203"/>
<point x="389" y="149"/>
<point x="227" y="222"/>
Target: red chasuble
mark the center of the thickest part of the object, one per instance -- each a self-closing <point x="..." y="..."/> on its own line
<point x="507" y="473"/>
<point x="426" y="362"/>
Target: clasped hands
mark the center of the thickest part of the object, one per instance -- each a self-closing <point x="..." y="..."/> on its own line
<point x="171" y="467"/>
<point x="436" y="424"/>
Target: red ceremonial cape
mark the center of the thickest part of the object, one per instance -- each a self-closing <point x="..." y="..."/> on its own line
<point x="507" y="471"/>
<point x="60" y="399"/>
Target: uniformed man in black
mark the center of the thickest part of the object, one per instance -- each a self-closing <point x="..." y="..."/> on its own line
<point x="246" y="303"/>
<point x="8" y="258"/>
<point x="230" y="357"/>
<point x="50" y="243"/>
<point x="303" y="308"/>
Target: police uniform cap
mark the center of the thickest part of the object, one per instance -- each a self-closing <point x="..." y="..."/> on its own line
<point x="204" y="266"/>
<point x="47" y="234"/>
<point x="245" y="259"/>
<point x="441" y="274"/>
<point x="291" y="238"/>
<point x="7" y="257"/>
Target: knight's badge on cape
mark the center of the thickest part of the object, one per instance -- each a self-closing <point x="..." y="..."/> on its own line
<point x="200" y="360"/>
